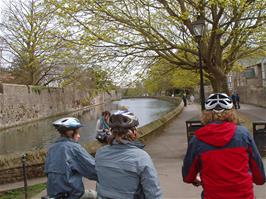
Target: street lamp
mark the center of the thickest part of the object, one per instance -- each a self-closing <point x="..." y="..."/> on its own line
<point x="198" y="28"/>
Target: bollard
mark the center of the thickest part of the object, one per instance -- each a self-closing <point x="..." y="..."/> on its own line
<point x="23" y="160"/>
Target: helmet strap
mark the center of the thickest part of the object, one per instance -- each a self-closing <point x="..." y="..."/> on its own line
<point x="69" y="133"/>
<point x="218" y="111"/>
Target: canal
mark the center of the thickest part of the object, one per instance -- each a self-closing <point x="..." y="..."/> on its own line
<point x="40" y="134"/>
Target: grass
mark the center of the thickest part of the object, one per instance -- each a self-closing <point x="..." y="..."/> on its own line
<point x="19" y="193"/>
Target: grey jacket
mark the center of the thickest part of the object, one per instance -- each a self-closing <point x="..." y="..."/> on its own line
<point x="66" y="163"/>
<point x="126" y="172"/>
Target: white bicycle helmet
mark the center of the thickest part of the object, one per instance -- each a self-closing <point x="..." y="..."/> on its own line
<point x="124" y="119"/>
<point x="67" y="123"/>
<point x="218" y="102"/>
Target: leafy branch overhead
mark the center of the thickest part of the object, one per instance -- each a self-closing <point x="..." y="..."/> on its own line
<point x="163" y="29"/>
<point x="128" y="36"/>
<point x="40" y="50"/>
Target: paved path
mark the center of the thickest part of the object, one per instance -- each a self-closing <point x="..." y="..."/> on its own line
<point x="252" y="112"/>
<point x="167" y="151"/>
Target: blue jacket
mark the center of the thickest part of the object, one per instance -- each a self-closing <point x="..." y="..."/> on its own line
<point x="66" y="163"/>
<point x="126" y="172"/>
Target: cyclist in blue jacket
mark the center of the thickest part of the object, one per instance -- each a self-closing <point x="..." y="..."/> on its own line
<point x="67" y="162"/>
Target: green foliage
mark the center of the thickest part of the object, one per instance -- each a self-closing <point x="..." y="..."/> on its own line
<point x="87" y="79"/>
<point x="140" y="31"/>
<point x="164" y="76"/>
<point x="133" y="92"/>
<point x="55" y="39"/>
<point x="38" y="89"/>
<point x="19" y="193"/>
<point x="43" y="49"/>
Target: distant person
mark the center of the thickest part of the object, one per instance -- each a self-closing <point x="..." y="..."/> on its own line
<point x="124" y="169"/>
<point x="237" y="101"/>
<point x="233" y="96"/>
<point x="67" y="162"/>
<point x="192" y="98"/>
<point x="222" y="156"/>
<point x="184" y="97"/>
<point x="102" y="127"/>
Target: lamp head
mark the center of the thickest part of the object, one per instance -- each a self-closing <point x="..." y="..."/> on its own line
<point x="198" y="27"/>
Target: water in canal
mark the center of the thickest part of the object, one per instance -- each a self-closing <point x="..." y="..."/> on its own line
<point x="40" y="134"/>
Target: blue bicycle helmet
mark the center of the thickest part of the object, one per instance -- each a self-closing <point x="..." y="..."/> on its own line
<point x="67" y="123"/>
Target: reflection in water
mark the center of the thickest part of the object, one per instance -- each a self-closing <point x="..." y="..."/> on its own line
<point x="146" y="110"/>
<point x="40" y="134"/>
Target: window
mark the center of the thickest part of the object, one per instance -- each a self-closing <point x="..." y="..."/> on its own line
<point x="249" y="73"/>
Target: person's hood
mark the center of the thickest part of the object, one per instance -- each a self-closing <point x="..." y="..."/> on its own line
<point x="216" y="134"/>
<point x="135" y="143"/>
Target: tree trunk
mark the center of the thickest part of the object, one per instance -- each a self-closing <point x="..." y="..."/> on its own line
<point x="219" y="83"/>
<point x="214" y="66"/>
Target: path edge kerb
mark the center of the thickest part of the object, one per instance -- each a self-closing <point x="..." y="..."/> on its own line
<point x="11" y="168"/>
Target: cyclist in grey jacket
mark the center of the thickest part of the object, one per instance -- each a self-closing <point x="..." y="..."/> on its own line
<point x="67" y="162"/>
<point x="124" y="170"/>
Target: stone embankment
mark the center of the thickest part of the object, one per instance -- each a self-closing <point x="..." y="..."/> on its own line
<point x="11" y="166"/>
<point x="20" y="104"/>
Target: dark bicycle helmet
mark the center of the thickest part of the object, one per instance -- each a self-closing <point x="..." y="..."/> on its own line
<point x="67" y="123"/>
<point x="218" y="102"/>
<point x="124" y="119"/>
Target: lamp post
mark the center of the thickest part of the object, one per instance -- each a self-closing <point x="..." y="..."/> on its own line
<point x="198" y="28"/>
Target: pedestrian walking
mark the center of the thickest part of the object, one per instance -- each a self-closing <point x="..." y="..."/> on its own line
<point x="233" y="96"/>
<point x="222" y="156"/>
<point x="184" y="97"/>
<point x="237" y="101"/>
<point x="192" y="98"/>
<point x="124" y="169"/>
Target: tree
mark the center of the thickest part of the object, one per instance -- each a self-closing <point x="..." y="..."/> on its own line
<point x="88" y="79"/>
<point x="36" y="46"/>
<point x="163" y="76"/>
<point x="163" y="29"/>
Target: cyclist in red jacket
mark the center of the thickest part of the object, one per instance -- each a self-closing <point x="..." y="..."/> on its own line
<point x="222" y="156"/>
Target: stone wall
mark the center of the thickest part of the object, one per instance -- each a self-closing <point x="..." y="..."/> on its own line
<point x="21" y="103"/>
<point x="11" y="166"/>
<point x="252" y="95"/>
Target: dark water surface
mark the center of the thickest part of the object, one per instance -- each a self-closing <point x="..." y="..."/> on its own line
<point x="40" y="134"/>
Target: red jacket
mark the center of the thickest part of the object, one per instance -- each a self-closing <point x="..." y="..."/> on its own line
<point x="227" y="159"/>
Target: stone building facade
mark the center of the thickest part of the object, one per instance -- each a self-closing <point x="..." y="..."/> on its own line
<point x="250" y="84"/>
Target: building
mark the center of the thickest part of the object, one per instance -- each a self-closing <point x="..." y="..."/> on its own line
<point x="253" y="74"/>
<point x="250" y="83"/>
